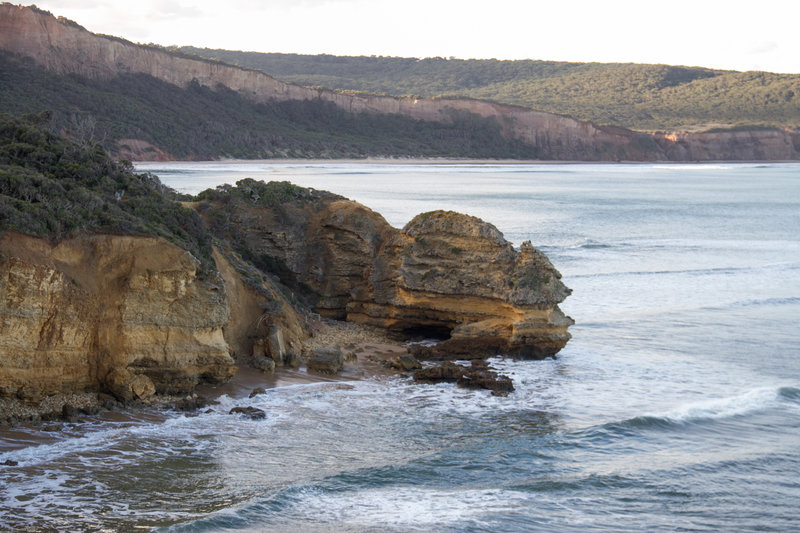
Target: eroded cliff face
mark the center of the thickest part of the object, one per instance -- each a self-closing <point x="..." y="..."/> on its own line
<point x="126" y="315"/>
<point x="456" y="274"/>
<point x="67" y="48"/>
<point x="445" y="273"/>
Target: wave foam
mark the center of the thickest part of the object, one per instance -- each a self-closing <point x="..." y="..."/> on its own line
<point x="747" y="403"/>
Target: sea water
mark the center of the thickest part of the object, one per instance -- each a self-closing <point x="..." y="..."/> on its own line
<point x="675" y="407"/>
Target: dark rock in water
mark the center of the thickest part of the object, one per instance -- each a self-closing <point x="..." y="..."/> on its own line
<point x="447" y="372"/>
<point x="69" y="413"/>
<point x="107" y="401"/>
<point x="89" y="410"/>
<point x="192" y="403"/>
<point x="265" y="364"/>
<point x="485" y="379"/>
<point x="477" y="376"/>
<point x="326" y="360"/>
<point x="257" y="391"/>
<point x="421" y="351"/>
<point x="406" y="362"/>
<point x="9" y="462"/>
<point x="251" y="412"/>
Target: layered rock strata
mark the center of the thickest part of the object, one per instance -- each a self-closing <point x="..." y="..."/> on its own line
<point x="444" y="274"/>
<point x="126" y="315"/>
<point x="65" y="47"/>
<point x="456" y="274"/>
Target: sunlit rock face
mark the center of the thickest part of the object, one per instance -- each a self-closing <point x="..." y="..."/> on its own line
<point x="126" y="315"/>
<point x="444" y="274"/>
<point x="456" y="275"/>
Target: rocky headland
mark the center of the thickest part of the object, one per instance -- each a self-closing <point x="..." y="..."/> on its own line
<point x="137" y="318"/>
<point x="114" y="285"/>
<point x="444" y="275"/>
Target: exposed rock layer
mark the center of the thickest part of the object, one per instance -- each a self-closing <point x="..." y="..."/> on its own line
<point x="67" y="48"/>
<point x="445" y="273"/>
<point x="128" y="315"/>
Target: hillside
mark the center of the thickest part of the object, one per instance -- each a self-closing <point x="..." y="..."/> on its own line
<point x="146" y="102"/>
<point x="198" y="122"/>
<point x="636" y="96"/>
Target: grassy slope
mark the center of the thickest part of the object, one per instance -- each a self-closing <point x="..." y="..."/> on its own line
<point x="636" y="96"/>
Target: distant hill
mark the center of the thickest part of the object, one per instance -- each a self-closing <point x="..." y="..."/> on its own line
<point x="148" y="102"/>
<point x="197" y="122"/>
<point x="637" y="96"/>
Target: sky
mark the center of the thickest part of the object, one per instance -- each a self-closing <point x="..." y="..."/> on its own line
<point x="724" y="34"/>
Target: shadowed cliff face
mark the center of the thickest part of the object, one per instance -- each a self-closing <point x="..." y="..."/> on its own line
<point x="446" y="273"/>
<point x="126" y="315"/>
<point x="69" y="49"/>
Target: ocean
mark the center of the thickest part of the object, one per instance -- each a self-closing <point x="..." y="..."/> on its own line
<point x="675" y="406"/>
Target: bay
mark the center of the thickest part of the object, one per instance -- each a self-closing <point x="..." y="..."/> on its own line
<point x="675" y="407"/>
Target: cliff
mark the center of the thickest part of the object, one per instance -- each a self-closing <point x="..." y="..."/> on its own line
<point x="65" y="47"/>
<point x="125" y="315"/>
<point x="445" y="274"/>
<point x="107" y="284"/>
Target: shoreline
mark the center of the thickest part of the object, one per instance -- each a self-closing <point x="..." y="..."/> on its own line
<point x="453" y="161"/>
<point x="369" y="353"/>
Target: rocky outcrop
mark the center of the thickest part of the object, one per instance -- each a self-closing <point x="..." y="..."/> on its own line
<point x="455" y="274"/>
<point x="65" y="47"/>
<point x="126" y="315"/>
<point x="479" y="375"/>
<point x="445" y="274"/>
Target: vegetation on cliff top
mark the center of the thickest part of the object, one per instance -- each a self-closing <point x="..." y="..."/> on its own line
<point x="54" y="187"/>
<point x="197" y="122"/>
<point x="227" y="208"/>
<point x="636" y="96"/>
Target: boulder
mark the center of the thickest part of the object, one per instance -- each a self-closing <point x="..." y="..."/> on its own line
<point x="69" y="413"/>
<point x="257" y="391"/>
<point x="292" y="360"/>
<point x="406" y="362"/>
<point x="444" y="372"/>
<point x="264" y="364"/>
<point x="142" y="387"/>
<point x="250" y="412"/>
<point x="326" y="360"/>
<point x="126" y="386"/>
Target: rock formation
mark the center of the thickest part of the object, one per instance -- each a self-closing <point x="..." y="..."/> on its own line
<point x="134" y="316"/>
<point x="128" y="315"/>
<point x="65" y="47"/>
<point x="444" y="274"/>
<point x="455" y="274"/>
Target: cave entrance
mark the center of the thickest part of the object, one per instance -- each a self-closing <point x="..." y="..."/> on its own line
<point x="425" y="333"/>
